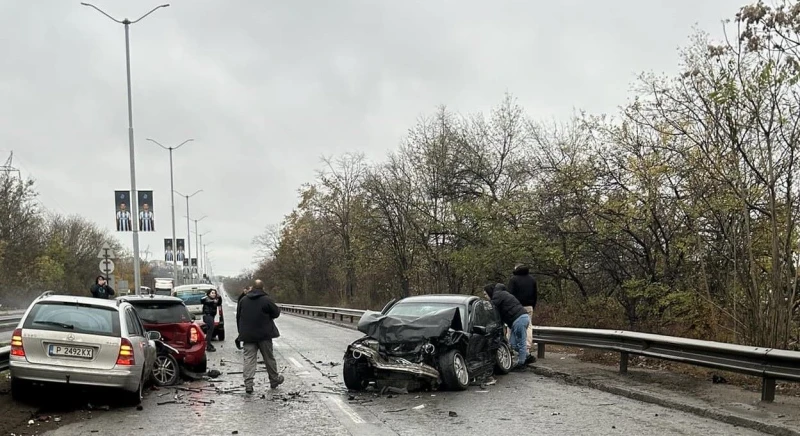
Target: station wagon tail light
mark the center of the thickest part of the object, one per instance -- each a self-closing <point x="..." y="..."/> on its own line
<point x="193" y="336"/>
<point x="125" y="356"/>
<point x="16" y="344"/>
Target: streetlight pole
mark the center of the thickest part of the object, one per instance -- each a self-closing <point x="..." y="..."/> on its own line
<point x="137" y="279"/>
<point x="202" y="249"/>
<point x="197" y="240"/>
<point x="189" y="229"/>
<point x="172" y="200"/>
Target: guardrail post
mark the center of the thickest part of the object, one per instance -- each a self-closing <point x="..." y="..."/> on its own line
<point x="623" y="362"/>
<point x="767" y="389"/>
<point x="540" y="350"/>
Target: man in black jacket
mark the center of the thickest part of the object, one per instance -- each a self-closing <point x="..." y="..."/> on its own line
<point x="255" y="318"/>
<point x="523" y="286"/>
<point x="514" y="316"/>
<point x="100" y="289"/>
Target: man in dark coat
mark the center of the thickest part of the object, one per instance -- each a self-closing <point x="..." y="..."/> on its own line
<point x="100" y="289"/>
<point x="523" y="286"/>
<point x="255" y="318"/>
<point x="513" y="314"/>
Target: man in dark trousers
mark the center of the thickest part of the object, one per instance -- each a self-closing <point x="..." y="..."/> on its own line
<point x="255" y="318"/>
<point x="523" y="286"/>
<point x="100" y="289"/>
<point x="514" y="316"/>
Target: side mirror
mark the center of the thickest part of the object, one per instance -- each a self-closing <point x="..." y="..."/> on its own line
<point x="479" y="330"/>
<point x="154" y="335"/>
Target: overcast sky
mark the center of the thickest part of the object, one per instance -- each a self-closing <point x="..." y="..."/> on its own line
<point x="267" y="87"/>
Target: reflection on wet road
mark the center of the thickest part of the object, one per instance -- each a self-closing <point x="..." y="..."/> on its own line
<point x="313" y="401"/>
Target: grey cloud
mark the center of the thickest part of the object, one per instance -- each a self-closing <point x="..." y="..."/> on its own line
<point x="265" y="88"/>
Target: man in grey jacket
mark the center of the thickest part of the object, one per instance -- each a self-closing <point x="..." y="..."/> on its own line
<point x="255" y="315"/>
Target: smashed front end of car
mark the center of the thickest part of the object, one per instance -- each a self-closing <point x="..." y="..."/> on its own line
<point x="401" y="352"/>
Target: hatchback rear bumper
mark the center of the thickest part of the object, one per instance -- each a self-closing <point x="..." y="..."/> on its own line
<point x="119" y="377"/>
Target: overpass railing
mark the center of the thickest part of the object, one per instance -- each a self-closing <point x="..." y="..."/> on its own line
<point x="770" y="364"/>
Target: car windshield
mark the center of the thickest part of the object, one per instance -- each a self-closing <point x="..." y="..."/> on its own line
<point x="417" y="309"/>
<point x="162" y="312"/>
<point x="191" y="298"/>
<point x="75" y="318"/>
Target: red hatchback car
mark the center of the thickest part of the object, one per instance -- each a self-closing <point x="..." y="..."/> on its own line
<point x="170" y="317"/>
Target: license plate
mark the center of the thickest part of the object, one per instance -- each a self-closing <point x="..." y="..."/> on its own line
<point x="70" y="351"/>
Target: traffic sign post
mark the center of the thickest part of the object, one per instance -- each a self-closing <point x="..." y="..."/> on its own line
<point x="106" y="264"/>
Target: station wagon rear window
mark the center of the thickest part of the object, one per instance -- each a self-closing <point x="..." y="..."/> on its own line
<point x="74" y="318"/>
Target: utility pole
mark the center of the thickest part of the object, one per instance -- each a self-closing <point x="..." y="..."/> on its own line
<point x="137" y="278"/>
<point x="189" y="229"/>
<point x="172" y="200"/>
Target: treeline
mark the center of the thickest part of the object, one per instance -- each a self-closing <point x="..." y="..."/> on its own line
<point x="41" y="251"/>
<point x="677" y="215"/>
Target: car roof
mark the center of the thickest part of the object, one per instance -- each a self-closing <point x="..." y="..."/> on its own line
<point x="152" y="297"/>
<point x="439" y="298"/>
<point x="198" y="287"/>
<point x="78" y="299"/>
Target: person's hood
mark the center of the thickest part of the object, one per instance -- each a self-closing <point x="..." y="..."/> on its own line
<point x="255" y="293"/>
<point x="497" y="287"/>
<point x="522" y="270"/>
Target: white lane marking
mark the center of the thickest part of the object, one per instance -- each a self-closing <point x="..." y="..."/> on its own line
<point x="347" y="410"/>
<point x="295" y="362"/>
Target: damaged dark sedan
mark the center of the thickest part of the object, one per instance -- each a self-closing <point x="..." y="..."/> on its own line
<point x="428" y="342"/>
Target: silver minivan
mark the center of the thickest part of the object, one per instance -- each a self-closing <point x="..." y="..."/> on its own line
<point x="83" y="341"/>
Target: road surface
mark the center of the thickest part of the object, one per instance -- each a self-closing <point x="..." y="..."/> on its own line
<point x="314" y="401"/>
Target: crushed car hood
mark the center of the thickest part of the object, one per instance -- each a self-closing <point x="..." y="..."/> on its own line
<point x="401" y="329"/>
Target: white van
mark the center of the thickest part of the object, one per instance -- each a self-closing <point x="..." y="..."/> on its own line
<point x="191" y="296"/>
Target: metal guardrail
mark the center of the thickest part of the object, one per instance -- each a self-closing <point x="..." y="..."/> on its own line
<point x="8" y="322"/>
<point x="5" y="353"/>
<point x="770" y="364"/>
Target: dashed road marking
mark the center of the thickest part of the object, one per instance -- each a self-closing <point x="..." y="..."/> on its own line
<point x="295" y="362"/>
<point x="347" y="410"/>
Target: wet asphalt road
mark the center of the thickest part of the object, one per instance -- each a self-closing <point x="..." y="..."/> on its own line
<point x="313" y="401"/>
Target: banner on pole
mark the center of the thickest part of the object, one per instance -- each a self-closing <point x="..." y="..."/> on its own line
<point x="169" y="253"/>
<point x="123" y="213"/>
<point x="146" y="217"/>
<point x="180" y="253"/>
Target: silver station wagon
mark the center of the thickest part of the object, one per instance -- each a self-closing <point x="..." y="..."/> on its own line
<point x="82" y="341"/>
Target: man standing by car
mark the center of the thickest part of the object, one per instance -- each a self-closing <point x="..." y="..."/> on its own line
<point x="522" y="285"/>
<point x="514" y="316"/>
<point x="255" y="318"/>
<point x="100" y="289"/>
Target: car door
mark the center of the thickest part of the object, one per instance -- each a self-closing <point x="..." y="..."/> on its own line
<point x="149" y="346"/>
<point x="136" y="336"/>
<point x="477" y="348"/>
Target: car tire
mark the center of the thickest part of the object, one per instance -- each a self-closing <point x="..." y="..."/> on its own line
<point x="20" y="390"/>
<point x="166" y="370"/>
<point x="353" y="376"/>
<point x="504" y="359"/>
<point x="134" y="398"/>
<point x="221" y="336"/>
<point x="454" y="371"/>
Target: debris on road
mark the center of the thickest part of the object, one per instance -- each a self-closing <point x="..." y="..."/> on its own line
<point x="453" y="414"/>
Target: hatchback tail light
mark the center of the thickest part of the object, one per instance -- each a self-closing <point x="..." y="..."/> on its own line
<point x="16" y="344"/>
<point x="125" y="356"/>
<point x="193" y="336"/>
